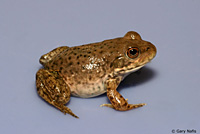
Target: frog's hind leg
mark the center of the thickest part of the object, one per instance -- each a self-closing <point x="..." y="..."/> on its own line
<point x="116" y="99"/>
<point x="52" y="54"/>
<point x="52" y="88"/>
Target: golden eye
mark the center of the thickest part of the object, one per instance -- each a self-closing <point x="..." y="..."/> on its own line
<point x="133" y="52"/>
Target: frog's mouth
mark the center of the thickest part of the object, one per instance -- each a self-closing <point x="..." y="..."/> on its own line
<point x="135" y="69"/>
<point x="128" y="70"/>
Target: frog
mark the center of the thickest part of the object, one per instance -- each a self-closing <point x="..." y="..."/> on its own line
<point x="91" y="70"/>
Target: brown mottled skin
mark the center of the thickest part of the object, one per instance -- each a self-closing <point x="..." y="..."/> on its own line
<point x="92" y="69"/>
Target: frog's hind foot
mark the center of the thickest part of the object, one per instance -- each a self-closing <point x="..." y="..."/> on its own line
<point x="65" y="109"/>
<point x="53" y="89"/>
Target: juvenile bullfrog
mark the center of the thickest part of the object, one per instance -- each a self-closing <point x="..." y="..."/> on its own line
<point x="91" y="70"/>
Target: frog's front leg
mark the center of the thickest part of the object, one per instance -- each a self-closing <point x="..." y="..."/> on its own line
<point x="116" y="99"/>
<point x="53" y="89"/>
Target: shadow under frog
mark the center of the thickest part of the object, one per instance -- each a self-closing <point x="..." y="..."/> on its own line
<point x="135" y="79"/>
<point x="91" y="70"/>
<point x="142" y="76"/>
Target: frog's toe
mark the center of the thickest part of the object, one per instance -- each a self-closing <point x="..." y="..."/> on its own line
<point x="65" y="110"/>
<point x="107" y="105"/>
<point x="132" y="106"/>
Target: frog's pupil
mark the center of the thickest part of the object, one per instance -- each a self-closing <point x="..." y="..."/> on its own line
<point x="133" y="51"/>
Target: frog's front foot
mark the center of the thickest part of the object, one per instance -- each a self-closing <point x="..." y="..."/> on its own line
<point x="116" y="99"/>
<point x="128" y="107"/>
<point x="52" y="88"/>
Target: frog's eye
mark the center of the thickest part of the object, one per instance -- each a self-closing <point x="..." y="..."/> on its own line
<point x="133" y="52"/>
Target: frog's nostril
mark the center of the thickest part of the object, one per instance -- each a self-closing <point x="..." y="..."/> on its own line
<point x="147" y="48"/>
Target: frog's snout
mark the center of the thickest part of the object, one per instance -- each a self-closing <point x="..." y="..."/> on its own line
<point x="154" y="50"/>
<point x="151" y="49"/>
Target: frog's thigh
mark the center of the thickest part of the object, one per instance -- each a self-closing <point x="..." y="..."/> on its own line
<point x="116" y="99"/>
<point x="52" y="88"/>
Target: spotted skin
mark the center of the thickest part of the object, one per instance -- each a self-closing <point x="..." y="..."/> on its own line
<point x="91" y="70"/>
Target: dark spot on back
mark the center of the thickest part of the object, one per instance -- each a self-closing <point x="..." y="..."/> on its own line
<point x="55" y="63"/>
<point x="101" y="52"/>
<point x="90" y="77"/>
<point x="75" y="71"/>
<point x="71" y="72"/>
<point x="69" y="57"/>
<point x="70" y="63"/>
<point x="60" y="57"/>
